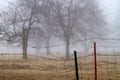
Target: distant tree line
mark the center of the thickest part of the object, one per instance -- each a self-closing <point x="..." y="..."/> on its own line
<point x="26" y="21"/>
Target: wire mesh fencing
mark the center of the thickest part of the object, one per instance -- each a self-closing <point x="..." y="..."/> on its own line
<point x="36" y="67"/>
<point x="107" y="63"/>
<point x="54" y="67"/>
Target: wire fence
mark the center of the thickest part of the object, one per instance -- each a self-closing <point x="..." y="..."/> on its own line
<point x="38" y="66"/>
<point x="52" y="67"/>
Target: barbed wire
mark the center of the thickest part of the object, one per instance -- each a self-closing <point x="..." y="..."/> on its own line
<point x="56" y="45"/>
<point x="83" y="62"/>
<point x="106" y="63"/>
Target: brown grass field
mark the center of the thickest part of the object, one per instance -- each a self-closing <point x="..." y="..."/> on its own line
<point x="44" y="68"/>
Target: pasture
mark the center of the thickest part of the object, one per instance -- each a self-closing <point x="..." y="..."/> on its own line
<point x="13" y="67"/>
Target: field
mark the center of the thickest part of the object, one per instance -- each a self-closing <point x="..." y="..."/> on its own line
<point x="12" y="67"/>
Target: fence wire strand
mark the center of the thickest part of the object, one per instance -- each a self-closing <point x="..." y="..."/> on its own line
<point x="108" y="62"/>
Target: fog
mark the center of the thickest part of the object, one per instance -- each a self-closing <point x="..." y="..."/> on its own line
<point x="109" y="9"/>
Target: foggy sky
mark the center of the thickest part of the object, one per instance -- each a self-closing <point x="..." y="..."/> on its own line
<point x="109" y="7"/>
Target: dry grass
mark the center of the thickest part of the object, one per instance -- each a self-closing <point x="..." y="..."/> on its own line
<point x="37" y="68"/>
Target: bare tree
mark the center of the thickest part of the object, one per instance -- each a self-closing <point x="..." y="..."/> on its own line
<point x="76" y="17"/>
<point x="47" y="21"/>
<point x="117" y="23"/>
<point x="37" y="38"/>
<point x="70" y="18"/>
<point x="20" y="19"/>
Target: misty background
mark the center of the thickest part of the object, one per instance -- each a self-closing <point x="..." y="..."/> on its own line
<point x="110" y="9"/>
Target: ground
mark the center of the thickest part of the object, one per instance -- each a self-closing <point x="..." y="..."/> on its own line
<point x="13" y="67"/>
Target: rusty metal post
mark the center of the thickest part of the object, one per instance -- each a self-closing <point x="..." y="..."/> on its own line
<point x="95" y="61"/>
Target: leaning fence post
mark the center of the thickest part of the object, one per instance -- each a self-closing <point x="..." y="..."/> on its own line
<point x="76" y="65"/>
<point x="95" y="62"/>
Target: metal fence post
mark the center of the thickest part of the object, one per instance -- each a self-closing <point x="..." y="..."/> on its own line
<point x="76" y="65"/>
<point x="95" y="62"/>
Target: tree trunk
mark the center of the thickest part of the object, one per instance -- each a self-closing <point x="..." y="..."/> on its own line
<point x="25" y="43"/>
<point x="47" y="46"/>
<point x="48" y="50"/>
<point x="86" y="43"/>
<point x="67" y="50"/>
<point x="24" y="50"/>
<point x="86" y="47"/>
